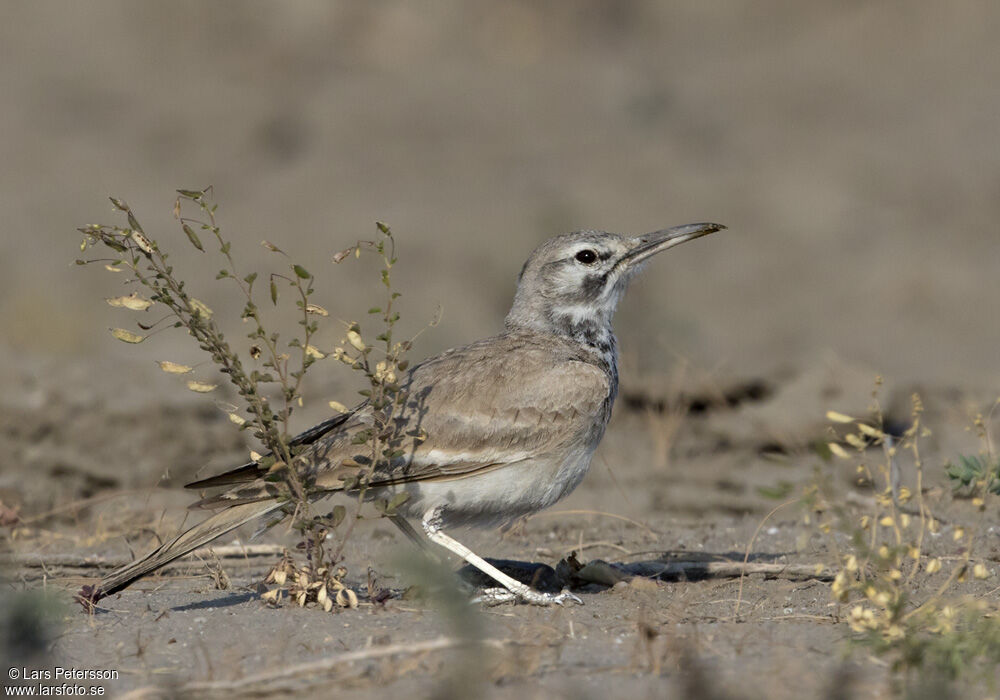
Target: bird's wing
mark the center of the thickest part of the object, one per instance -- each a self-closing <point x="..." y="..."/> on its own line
<point x="252" y="470"/>
<point x="469" y="410"/>
<point x="481" y="407"/>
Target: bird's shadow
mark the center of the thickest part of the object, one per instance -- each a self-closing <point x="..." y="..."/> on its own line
<point x="226" y="601"/>
<point x="598" y="574"/>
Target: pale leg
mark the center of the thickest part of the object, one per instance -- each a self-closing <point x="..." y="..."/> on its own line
<point x="512" y="589"/>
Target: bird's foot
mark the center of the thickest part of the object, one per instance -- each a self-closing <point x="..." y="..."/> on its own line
<point x="498" y="596"/>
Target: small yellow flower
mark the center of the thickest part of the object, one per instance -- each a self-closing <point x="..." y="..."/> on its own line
<point x="980" y="571"/>
<point x="934" y="566"/>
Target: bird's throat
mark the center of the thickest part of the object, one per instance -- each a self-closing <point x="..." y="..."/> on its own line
<point x="592" y="333"/>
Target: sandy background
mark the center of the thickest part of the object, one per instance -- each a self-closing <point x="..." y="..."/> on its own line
<point x="850" y="147"/>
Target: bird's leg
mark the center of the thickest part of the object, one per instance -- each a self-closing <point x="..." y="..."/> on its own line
<point x="513" y="590"/>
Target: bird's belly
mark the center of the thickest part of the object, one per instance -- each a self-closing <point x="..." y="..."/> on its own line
<point x="502" y="495"/>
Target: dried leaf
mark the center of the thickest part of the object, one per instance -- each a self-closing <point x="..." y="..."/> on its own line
<point x="838" y="450"/>
<point x="854" y="441"/>
<point x="201" y="308"/>
<point x="316" y="309"/>
<point x="113" y="268"/>
<point x="312" y="351"/>
<point x="200" y="387"/>
<point x="354" y="338"/>
<point x="338" y="407"/>
<point x="132" y="301"/>
<point x="270" y="246"/>
<point x="339" y="257"/>
<point x="346" y="598"/>
<point x="870" y="431"/>
<point x="140" y="240"/>
<point x="237" y="419"/>
<point x="838" y="417"/>
<point x="127" y="336"/>
<point x="173" y="367"/>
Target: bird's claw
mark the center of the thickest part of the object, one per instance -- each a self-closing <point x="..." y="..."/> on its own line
<point x="499" y="596"/>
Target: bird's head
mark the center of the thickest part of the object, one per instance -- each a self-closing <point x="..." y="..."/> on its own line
<point x="578" y="278"/>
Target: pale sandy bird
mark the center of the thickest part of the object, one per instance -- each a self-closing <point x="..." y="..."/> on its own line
<point x="491" y="431"/>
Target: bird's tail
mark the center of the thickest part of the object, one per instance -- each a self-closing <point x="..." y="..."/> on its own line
<point x="189" y="540"/>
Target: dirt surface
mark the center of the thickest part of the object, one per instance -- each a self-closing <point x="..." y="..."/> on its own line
<point x="707" y="499"/>
<point x="851" y="148"/>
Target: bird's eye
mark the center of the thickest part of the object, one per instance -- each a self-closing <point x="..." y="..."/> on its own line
<point x="586" y="256"/>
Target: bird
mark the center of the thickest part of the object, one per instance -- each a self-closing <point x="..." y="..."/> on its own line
<point x="492" y="431"/>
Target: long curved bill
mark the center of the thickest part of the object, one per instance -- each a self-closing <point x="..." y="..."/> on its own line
<point x="649" y="244"/>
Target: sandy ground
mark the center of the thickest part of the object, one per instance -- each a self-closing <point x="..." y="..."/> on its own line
<point x="851" y="148"/>
<point x="707" y="499"/>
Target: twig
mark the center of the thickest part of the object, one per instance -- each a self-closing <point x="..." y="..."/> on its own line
<point x="695" y="569"/>
<point x="259" y="682"/>
<point x="37" y="560"/>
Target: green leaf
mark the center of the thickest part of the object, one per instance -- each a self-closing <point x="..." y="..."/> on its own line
<point x="250" y="278"/>
<point x="274" y="293"/>
<point x="301" y="272"/>
<point x="193" y="237"/>
<point x="337" y="515"/>
<point x="384" y="228"/>
<point x="133" y="222"/>
<point x="191" y="194"/>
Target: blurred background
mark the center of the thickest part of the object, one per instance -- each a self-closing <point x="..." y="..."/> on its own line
<point x="851" y="147"/>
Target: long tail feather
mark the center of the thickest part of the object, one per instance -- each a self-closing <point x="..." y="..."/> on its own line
<point x="189" y="540"/>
